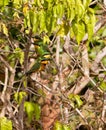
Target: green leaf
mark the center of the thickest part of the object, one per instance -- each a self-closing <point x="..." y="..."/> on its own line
<point x="46" y="39"/>
<point x="53" y="24"/>
<point x="5" y="124"/>
<point x="80" y="11"/>
<point x="42" y="21"/>
<point x="29" y="109"/>
<point x="78" y="100"/>
<point x="55" y="12"/>
<point x="35" y="23"/>
<point x="32" y="110"/>
<point x="86" y="3"/>
<point x="37" y="110"/>
<point x="103" y="86"/>
<point x="58" y="126"/>
<point x="19" y="54"/>
<point x="79" y="31"/>
<point x="31" y="15"/>
<point x="104" y="61"/>
<point x="75" y="100"/>
<point x="5" y="30"/>
<point x="4" y="2"/>
<point x="66" y="127"/>
<point x="27" y="21"/>
<point x="38" y="2"/>
<point x="17" y="2"/>
<point x="60" y="10"/>
<point x="71" y="97"/>
<point x="72" y="13"/>
<point x="18" y="96"/>
<point x="90" y="22"/>
<point x="1" y="3"/>
<point x="104" y="33"/>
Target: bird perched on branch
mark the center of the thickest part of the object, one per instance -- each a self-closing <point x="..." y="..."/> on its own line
<point x="39" y="64"/>
<point x="43" y="56"/>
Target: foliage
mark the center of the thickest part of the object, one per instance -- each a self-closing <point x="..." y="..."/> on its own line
<point x="32" y="110"/>
<point x="5" y="124"/>
<point x="76" y="100"/>
<point x="60" y="126"/>
<point x="18" y="97"/>
<point x="54" y="17"/>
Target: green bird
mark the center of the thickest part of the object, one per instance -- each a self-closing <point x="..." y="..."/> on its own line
<point x="39" y="64"/>
<point x="43" y="56"/>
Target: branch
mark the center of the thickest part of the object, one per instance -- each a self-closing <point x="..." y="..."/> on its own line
<point x="57" y="51"/>
<point x="99" y="57"/>
<point x="104" y="108"/>
<point x="5" y="86"/>
<point x="85" y="60"/>
<point x="3" y="94"/>
<point x="6" y="64"/>
<point x="94" y="67"/>
<point x="98" y="25"/>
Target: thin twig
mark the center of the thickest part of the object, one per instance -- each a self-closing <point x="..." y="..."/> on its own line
<point x="47" y="88"/>
<point x="58" y="50"/>
<point x="97" y="60"/>
<point x="3" y="95"/>
<point x="104" y="108"/>
<point x="6" y="64"/>
<point x="5" y="85"/>
<point x="94" y="2"/>
<point x="85" y="60"/>
<point x="76" y="109"/>
<point x="98" y="25"/>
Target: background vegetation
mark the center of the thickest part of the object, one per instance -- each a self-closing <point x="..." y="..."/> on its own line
<point x="52" y="65"/>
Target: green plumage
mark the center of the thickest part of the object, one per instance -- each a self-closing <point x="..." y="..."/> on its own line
<point x="35" y="67"/>
<point x="43" y="56"/>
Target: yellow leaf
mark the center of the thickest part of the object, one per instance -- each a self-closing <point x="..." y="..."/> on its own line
<point x="25" y="9"/>
<point x="5" y="30"/>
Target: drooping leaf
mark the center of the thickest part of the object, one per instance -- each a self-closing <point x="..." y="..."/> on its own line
<point x="79" y="30"/>
<point x="86" y="3"/>
<point x="90" y="23"/>
<point x="29" y="109"/>
<point x="80" y="10"/>
<point x="5" y="30"/>
<point x="35" y="23"/>
<point x="60" y="10"/>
